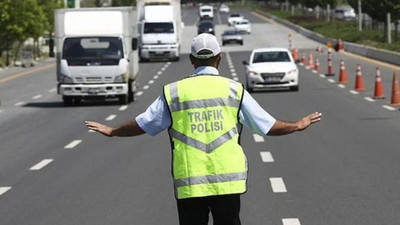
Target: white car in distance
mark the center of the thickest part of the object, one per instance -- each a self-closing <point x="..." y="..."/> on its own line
<point x="224" y="8"/>
<point x="234" y="18"/>
<point x="271" y="69"/>
<point x="206" y="11"/>
<point x="243" y="26"/>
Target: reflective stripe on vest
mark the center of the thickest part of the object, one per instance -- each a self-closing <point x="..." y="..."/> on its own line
<point x="207" y="158"/>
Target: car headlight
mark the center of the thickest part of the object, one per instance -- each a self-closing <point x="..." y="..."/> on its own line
<point x="120" y="79"/>
<point x="292" y="71"/>
<point x="65" y="79"/>
<point x="252" y="73"/>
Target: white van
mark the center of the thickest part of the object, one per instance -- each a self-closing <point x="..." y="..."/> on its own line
<point x="206" y="11"/>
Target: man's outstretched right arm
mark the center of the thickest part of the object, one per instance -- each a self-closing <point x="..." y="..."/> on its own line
<point x="128" y="129"/>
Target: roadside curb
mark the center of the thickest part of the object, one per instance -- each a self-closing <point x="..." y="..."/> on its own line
<point x="366" y="51"/>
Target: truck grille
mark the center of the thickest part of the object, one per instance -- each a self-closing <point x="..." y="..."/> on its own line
<point x="93" y="79"/>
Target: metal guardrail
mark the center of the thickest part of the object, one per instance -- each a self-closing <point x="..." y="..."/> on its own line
<point x="366" y="51"/>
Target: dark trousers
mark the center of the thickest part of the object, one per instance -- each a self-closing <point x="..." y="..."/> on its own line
<point x="224" y="209"/>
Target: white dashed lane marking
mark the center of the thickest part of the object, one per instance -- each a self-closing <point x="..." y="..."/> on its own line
<point x="277" y="184"/>
<point x="73" y="144"/>
<point x="258" y="138"/>
<point x="155" y="77"/>
<point x="139" y="93"/>
<point x="37" y="96"/>
<point x="369" y="99"/>
<point x="111" y="117"/>
<point x="341" y="85"/>
<point x="19" y="103"/>
<point x="123" y="108"/>
<point x="266" y="157"/>
<point x="146" y="87"/>
<point x="53" y="90"/>
<point x="41" y="164"/>
<point x="291" y="221"/>
<point x="4" y="190"/>
<point x="151" y="81"/>
<point x="354" y="92"/>
<point x="389" y="107"/>
<point x="331" y="80"/>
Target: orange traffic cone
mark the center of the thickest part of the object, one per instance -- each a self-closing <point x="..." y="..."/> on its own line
<point x="395" y="91"/>
<point x="310" y="61"/>
<point x="342" y="73"/>
<point x="359" y="80"/>
<point x="295" y="54"/>
<point x="378" y="93"/>
<point x="303" y="58"/>
<point x="340" y="45"/>
<point x="317" y="65"/>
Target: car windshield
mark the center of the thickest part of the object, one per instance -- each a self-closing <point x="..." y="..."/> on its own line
<point x="278" y="56"/>
<point x="235" y="15"/>
<point x="206" y="10"/>
<point x="158" y="28"/>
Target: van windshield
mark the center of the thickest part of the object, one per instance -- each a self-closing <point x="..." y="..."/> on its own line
<point x="84" y="50"/>
<point x="158" y="28"/>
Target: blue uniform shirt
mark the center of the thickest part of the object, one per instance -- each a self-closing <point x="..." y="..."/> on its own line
<point x="156" y="118"/>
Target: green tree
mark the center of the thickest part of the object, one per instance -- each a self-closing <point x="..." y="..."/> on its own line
<point x="123" y="2"/>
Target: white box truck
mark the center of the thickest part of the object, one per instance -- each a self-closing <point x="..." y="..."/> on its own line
<point x="160" y="27"/>
<point x="97" y="53"/>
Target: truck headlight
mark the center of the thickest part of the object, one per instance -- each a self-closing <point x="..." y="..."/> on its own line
<point x="65" y="79"/>
<point x="120" y="79"/>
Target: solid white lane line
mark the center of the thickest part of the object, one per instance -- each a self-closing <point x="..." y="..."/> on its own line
<point x="388" y="107"/>
<point x="146" y="87"/>
<point x="122" y="108"/>
<point x="53" y="90"/>
<point x="290" y="221"/>
<point x="354" y="92"/>
<point x="73" y="144"/>
<point x="151" y="81"/>
<point x="19" y="103"/>
<point x="277" y="184"/>
<point x="369" y="99"/>
<point x="41" y="164"/>
<point x="266" y="157"/>
<point x="331" y="80"/>
<point x="139" y="93"/>
<point x="341" y="85"/>
<point x="4" y="190"/>
<point x="111" y="117"/>
<point x="37" y="96"/>
<point x="258" y="138"/>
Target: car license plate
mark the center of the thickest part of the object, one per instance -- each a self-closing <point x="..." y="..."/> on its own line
<point x="94" y="90"/>
<point x="272" y="79"/>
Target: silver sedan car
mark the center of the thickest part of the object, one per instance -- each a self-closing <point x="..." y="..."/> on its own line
<point x="232" y="36"/>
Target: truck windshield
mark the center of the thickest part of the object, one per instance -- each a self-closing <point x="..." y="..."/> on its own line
<point x="87" y="50"/>
<point x="158" y="28"/>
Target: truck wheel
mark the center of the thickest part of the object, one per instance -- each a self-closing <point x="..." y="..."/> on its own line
<point x="67" y="100"/>
<point x="131" y="94"/>
<point x="123" y="99"/>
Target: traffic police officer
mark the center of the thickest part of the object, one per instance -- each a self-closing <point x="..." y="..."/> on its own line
<point x="204" y="114"/>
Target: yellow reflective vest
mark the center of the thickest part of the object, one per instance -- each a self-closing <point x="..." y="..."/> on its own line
<point x="204" y="134"/>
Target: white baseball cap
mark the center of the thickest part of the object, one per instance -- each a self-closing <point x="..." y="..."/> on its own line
<point x="205" y="41"/>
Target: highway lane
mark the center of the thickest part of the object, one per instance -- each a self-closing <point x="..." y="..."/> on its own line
<point x="342" y="171"/>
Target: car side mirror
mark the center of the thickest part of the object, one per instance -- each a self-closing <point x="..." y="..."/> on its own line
<point x="245" y="63"/>
<point x="134" y="44"/>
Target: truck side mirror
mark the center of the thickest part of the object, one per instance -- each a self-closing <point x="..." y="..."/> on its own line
<point x="134" y="44"/>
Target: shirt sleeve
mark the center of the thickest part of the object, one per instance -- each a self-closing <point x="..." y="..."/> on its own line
<point x="156" y="118"/>
<point x="253" y="116"/>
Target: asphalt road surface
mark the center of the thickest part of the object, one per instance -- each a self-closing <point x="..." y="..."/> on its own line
<point x="344" y="170"/>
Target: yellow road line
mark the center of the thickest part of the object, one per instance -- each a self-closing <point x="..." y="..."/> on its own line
<point x="14" y="76"/>
<point x="380" y="63"/>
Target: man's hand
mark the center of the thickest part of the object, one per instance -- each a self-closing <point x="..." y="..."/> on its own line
<point x="101" y="128"/>
<point x="308" y="120"/>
